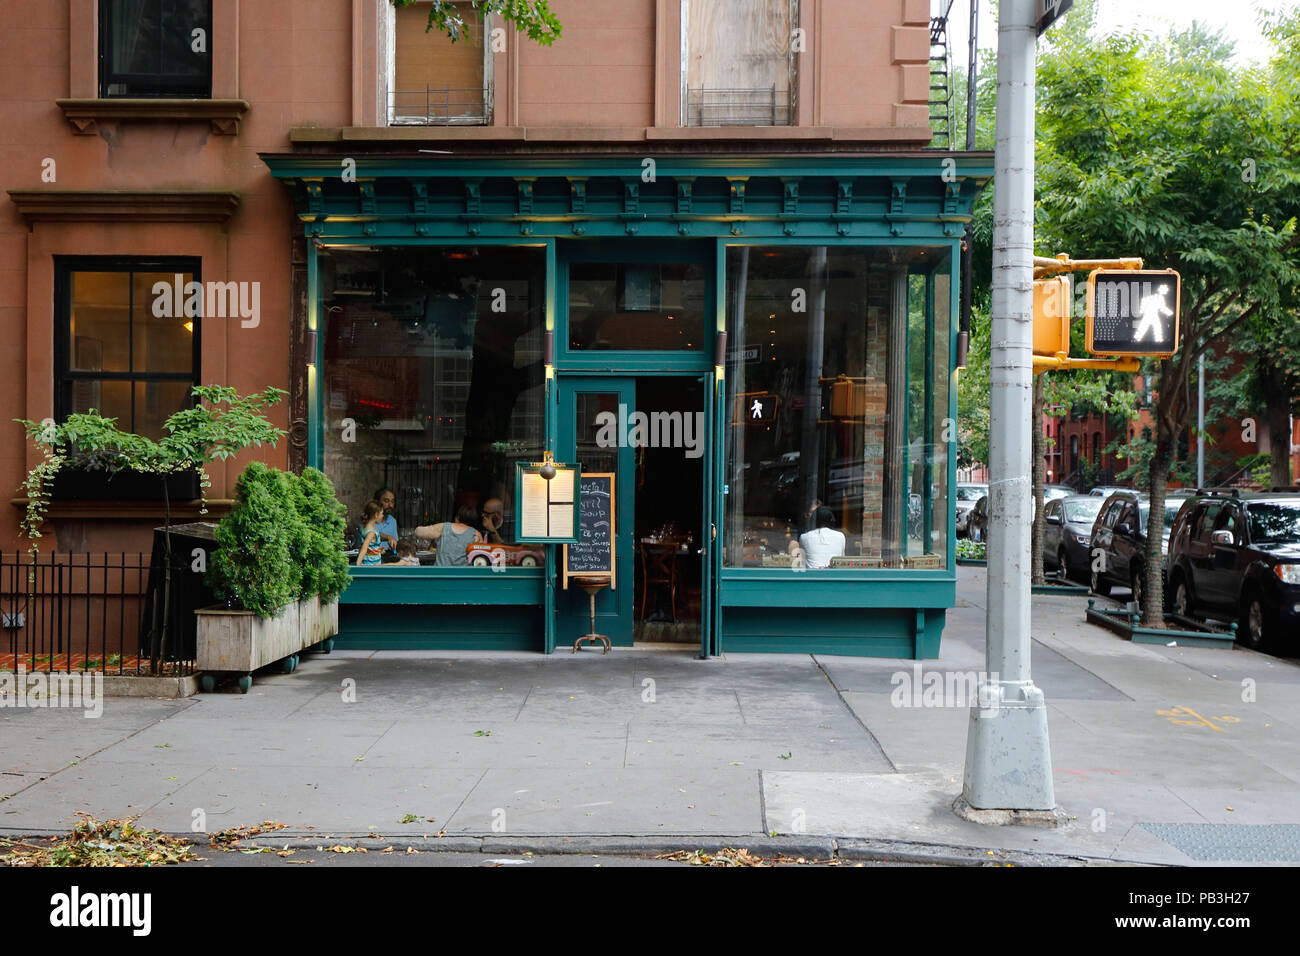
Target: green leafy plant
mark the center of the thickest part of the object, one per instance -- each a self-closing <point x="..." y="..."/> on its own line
<point x="325" y="568"/>
<point x="220" y="424"/>
<point x="533" y="17"/>
<point x="253" y="567"/>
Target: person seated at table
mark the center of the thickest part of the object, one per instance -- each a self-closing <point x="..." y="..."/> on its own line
<point x="823" y="542"/>
<point x="406" y="555"/>
<point x="370" y="548"/>
<point x="453" y="537"/>
<point x="493" y="514"/>
<point x="388" y="526"/>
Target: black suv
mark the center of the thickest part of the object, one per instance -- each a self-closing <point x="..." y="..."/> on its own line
<point x="1237" y="555"/>
<point x="1119" y="540"/>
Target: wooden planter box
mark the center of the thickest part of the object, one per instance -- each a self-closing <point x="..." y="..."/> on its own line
<point x="240" y="642"/>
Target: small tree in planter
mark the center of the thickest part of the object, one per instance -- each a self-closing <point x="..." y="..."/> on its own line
<point x="325" y="567"/>
<point x="219" y="425"/>
<point x="254" y="567"/>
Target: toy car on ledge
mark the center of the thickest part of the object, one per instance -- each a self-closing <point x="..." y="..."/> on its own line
<point x="484" y="554"/>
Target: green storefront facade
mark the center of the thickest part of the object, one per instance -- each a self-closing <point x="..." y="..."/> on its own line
<point x="759" y="349"/>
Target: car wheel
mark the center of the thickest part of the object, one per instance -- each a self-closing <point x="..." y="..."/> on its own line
<point x="1137" y="587"/>
<point x="1182" y="602"/>
<point x="1063" y="565"/>
<point x="528" y="561"/>
<point x="1099" y="584"/>
<point x="480" y="561"/>
<point x="1253" y="628"/>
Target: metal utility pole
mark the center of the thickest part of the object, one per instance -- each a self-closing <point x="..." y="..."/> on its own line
<point x="1008" y="761"/>
<point x="1200" y="422"/>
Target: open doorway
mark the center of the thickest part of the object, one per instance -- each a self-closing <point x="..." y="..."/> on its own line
<point x="668" y="527"/>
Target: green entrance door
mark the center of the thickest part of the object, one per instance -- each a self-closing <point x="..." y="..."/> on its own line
<point x="584" y="406"/>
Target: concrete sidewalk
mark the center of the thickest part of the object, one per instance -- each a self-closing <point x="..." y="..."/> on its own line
<point x="489" y="748"/>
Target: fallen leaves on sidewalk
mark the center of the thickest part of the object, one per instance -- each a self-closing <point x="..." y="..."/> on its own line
<point x="112" y="843"/>
<point x="731" y="856"/>
<point x="226" y="839"/>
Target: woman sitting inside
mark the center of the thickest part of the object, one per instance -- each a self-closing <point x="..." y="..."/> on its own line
<point x="823" y="542"/>
<point x="453" y="537"/>
<point x="371" y="547"/>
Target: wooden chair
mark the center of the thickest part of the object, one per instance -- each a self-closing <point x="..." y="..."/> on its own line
<point x="659" y="571"/>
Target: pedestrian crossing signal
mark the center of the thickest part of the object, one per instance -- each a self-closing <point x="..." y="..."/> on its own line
<point x="1133" y="312"/>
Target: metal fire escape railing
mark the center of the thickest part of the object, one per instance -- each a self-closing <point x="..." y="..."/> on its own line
<point x="940" y="81"/>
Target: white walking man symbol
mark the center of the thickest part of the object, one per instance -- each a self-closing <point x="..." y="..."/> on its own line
<point x="756" y="410"/>
<point x="1151" y="308"/>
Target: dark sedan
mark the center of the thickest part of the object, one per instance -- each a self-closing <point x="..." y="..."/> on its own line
<point x="1068" y="533"/>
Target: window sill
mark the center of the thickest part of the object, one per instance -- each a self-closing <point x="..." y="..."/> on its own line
<point x="86" y="114"/>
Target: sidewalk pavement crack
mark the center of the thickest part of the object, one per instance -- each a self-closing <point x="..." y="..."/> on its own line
<point x="893" y="768"/>
<point x="468" y="793"/>
<point x="523" y="703"/>
<point x="736" y="693"/>
<point x="762" y="805"/>
<point x="323" y="691"/>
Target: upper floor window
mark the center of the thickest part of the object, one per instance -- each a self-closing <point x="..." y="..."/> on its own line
<point x="124" y="344"/>
<point x="738" y="64"/>
<point x="155" y="48"/>
<point x="433" y="80"/>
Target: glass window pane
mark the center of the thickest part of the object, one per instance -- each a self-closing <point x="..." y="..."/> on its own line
<point x="110" y="399"/>
<point x="100" y="335"/>
<point x="155" y="402"/>
<point x="161" y="343"/>
<point x="433" y="379"/>
<point x="156" y="48"/>
<point x="636" y="306"/>
<point x="831" y="450"/>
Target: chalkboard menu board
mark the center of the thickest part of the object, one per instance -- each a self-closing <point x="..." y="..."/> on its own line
<point x="594" y="552"/>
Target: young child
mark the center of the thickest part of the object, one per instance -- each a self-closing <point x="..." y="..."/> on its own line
<point x="372" y="546"/>
<point x="406" y="554"/>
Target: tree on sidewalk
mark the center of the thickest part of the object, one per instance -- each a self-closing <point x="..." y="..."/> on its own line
<point x="1162" y="150"/>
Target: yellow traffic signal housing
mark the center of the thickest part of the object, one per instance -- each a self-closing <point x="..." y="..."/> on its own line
<point x="1133" y="312"/>
<point x="1052" y="316"/>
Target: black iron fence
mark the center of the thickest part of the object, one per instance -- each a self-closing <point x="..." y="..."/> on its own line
<point x="93" y="612"/>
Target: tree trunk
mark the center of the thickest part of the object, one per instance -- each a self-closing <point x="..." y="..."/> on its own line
<point x="1036" y="424"/>
<point x="1275" y="389"/>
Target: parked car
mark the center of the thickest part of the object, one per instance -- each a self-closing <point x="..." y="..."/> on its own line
<point x="1053" y="492"/>
<point x="977" y="521"/>
<point x="1238" y="556"/>
<point x="967" y="495"/>
<point x="1118" y="544"/>
<point x="1067" y="534"/>
<point x="1105" y="490"/>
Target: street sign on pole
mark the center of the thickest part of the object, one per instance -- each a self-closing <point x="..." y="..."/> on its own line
<point x="1049" y="11"/>
<point x="1133" y="312"/>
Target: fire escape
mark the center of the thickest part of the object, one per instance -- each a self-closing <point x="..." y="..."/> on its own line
<point x="940" y="80"/>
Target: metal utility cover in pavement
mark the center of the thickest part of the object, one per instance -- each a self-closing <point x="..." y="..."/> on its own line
<point x="1255" y="843"/>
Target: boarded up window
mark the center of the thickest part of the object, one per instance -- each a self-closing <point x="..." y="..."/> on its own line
<point x="738" y="67"/>
<point x="434" y="79"/>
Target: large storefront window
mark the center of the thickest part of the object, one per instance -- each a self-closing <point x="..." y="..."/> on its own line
<point x="837" y="373"/>
<point x="433" y="390"/>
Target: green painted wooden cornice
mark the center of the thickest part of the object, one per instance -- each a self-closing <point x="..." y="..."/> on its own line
<point x="900" y="196"/>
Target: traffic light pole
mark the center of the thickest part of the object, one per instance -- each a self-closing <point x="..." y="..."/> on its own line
<point x="1008" y="774"/>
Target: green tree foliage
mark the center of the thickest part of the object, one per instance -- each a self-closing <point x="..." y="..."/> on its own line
<point x="533" y="17"/>
<point x="253" y="567"/>
<point x="325" y="569"/>
<point x="1160" y="148"/>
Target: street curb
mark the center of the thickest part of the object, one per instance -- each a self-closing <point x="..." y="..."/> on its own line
<point x="810" y="848"/>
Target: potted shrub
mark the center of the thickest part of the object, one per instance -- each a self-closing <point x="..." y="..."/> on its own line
<point x="325" y="568"/>
<point x="279" y="561"/>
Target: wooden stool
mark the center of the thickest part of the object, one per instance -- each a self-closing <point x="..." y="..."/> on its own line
<point x="592" y="585"/>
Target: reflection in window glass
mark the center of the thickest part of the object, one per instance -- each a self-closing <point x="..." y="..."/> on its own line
<point x="1274" y="522"/>
<point x="837" y="389"/>
<point x="636" y="306"/>
<point x="433" y="381"/>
